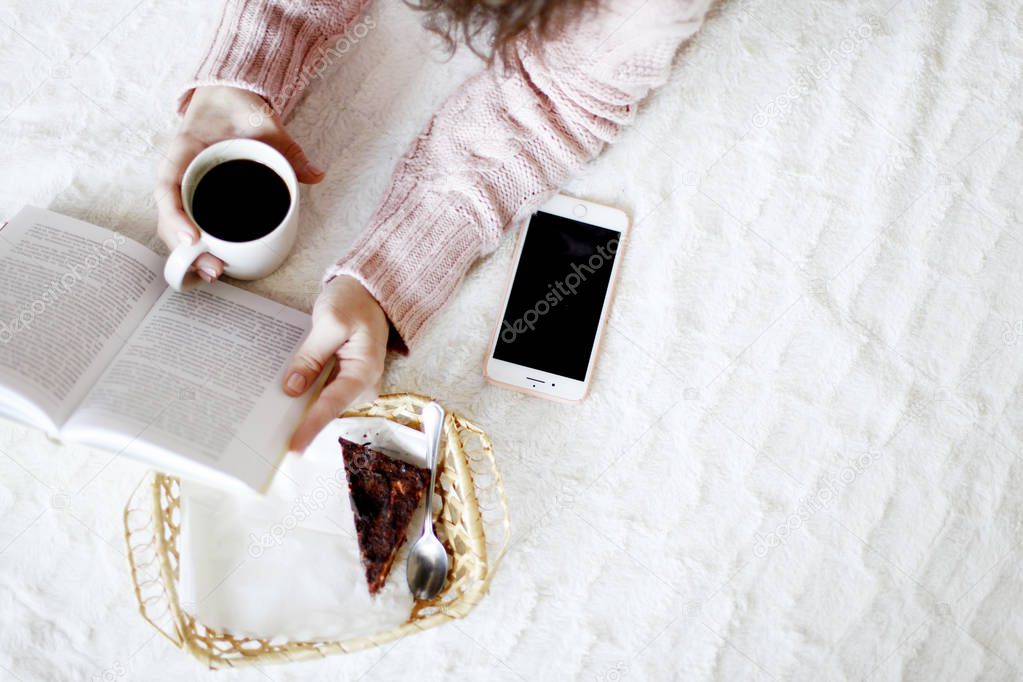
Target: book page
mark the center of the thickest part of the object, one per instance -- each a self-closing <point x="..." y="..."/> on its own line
<point x="70" y="294"/>
<point x="199" y="383"/>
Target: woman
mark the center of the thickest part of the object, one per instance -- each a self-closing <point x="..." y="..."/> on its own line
<point x="564" y="77"/>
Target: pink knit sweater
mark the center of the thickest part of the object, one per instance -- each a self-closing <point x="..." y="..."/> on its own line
<point x="493" y="152"/>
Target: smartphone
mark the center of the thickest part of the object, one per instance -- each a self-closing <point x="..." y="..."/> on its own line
<point x="557" y="299"/>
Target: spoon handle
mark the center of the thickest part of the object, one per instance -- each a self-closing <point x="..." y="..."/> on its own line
<point x="433" y="423"/>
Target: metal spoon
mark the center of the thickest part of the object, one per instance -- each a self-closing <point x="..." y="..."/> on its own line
<point x="427" y="567"/>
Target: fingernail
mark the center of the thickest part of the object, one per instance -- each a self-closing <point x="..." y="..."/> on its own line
<point x="185" y="237"/>
<point x="210" y="272"/>
<point x="296" y="382"/>
<point x="204" y="276"/>
<point x="314" y="169"/>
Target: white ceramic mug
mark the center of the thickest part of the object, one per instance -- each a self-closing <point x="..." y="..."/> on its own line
<point x="242" y="260"/>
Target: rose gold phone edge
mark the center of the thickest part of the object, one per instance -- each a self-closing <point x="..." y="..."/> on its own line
<point x="608" y="299"/>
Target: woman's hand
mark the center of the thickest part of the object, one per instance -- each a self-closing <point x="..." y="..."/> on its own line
<point x="217" y="113"/>
<point x="350" y="325"/>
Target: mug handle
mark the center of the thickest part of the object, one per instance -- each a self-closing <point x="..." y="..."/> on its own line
<point x="180" y="260"/>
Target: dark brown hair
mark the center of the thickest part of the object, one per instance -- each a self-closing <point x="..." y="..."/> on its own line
<point x="489" y="27"/>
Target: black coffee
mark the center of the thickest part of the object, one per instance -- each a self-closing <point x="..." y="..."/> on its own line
<point x="240" y="200"/>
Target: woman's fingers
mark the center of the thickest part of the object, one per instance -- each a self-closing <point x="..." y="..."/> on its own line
<point x="353" y="382"/>
<point x="348" y="324"/>
<point x="173" y="225"/>
<point x="316" y="351"/>
<point x="174" y="228"/>
<point x="305" y="170"/>
<point x="360" y="364"/>
<point x="208" y="267"/>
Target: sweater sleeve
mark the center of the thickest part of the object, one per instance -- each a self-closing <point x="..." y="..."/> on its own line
<point x="500" y="146"/>
<point x="274" y="48"/>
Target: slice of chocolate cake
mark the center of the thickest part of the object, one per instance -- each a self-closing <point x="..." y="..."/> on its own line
<point x="385" y="493"/>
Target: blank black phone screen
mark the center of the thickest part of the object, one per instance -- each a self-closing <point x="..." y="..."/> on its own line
<point x="557" y="295"/>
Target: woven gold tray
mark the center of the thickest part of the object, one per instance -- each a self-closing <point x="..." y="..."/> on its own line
<point x="472" y="522"/>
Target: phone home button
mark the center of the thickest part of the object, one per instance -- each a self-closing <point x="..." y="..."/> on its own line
<point x="579" y="211"/>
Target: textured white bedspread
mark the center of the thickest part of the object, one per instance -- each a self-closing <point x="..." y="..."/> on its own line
<point x="800" y="458"/>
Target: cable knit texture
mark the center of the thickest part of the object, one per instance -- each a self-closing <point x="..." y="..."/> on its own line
<point x="271" y="47"/>
<point x="494" y="151"/>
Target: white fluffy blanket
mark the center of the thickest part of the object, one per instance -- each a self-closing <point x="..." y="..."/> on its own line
<point x="800" y="459"/>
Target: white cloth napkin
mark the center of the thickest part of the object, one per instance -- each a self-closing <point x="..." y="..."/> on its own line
<point x="287" y="563"/>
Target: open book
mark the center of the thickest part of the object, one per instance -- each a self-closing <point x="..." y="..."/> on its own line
<point x="96" y="349"/>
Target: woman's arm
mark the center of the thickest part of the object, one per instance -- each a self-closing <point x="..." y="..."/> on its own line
<point x="502" y="143"/>
<point x="274" y="48"/>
